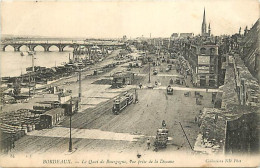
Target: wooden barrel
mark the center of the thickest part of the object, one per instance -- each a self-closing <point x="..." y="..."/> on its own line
<point x="24" y="127"/>
<point x="18" y="135"/>
<point x="33" y="127"/>
<point x="24" y="130"/>
<point x="29" y="128"/>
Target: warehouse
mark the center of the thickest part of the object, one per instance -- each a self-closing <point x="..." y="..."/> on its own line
<point x="122" y="78"/>
<point x="51" y="117"/>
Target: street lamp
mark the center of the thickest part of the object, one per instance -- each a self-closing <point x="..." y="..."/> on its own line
<point x="70" y="142"/>
<point x="80" y="85"/>
<point x="79" y="70"/>
<point x="149" y="73"/>
<point x="136" y="96"/>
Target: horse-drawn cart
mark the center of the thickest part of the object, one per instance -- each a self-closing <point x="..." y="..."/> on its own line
<point x="161" y="137"/>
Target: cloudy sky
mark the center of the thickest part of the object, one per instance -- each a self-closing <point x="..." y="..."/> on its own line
<point x="131" y="18"/>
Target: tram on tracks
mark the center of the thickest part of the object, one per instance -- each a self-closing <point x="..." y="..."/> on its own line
<point x="122" y="102"/>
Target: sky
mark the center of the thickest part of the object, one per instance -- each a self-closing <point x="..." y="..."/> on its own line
<point x="113" y="19"/>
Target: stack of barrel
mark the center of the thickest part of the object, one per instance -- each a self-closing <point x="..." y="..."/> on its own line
<point x="32" y="122"/>
<point x="19" y="122"/>
<point x="10" y="131"/>
<point x="14" y="125"/>
<point x="11" y="123"/>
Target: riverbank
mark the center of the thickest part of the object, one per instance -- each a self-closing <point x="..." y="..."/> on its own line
<point x="67" y="83"/>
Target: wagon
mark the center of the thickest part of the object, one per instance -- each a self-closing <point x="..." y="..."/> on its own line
<point x="169" y="90"/>
<point x="178" y="81"/>
<point x="155" y="72"/>
<point x="51" y="118"/>
<point x="161" y="138"/>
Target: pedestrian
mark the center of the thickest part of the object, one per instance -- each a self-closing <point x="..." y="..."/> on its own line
<point x="163" y="123"/>
<point x="140" y="85"/>
<point x="148" y="143"/>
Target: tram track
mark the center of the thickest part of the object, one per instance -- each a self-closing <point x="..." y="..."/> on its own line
<point x="98" y="109"/>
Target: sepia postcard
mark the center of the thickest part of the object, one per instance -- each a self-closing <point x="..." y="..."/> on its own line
<point x="115" y="83"/>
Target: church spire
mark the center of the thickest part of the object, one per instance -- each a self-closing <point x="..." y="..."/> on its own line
<point x="204" y="25"/>
<point x="204" y="17"/>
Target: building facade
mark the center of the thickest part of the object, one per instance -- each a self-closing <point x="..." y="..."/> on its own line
<point x="203" y="60"/>
<point x="186" y="35"/>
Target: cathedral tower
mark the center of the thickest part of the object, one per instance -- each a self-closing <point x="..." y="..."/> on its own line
<point x="204" y="25"/>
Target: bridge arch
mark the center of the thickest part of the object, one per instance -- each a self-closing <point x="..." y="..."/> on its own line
<point x="53" y="48"/>
<point x="23" y="48"/>
<point x="38" y="48"/>
<point x="8" y="47"/>
<point x="67" y="48"/>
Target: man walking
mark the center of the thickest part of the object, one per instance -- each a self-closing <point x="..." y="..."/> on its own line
<point x="148" y="143"/>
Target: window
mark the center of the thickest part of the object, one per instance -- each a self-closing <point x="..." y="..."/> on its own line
<point x="203" y="50"/>
<point x="202" y="82"/>
<point x="212" y="83"/>
<point x="212" y="51"/>
<point x="212" y="77"/>
<point x="211" y="69"/>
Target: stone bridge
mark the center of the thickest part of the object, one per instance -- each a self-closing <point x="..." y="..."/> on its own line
<point x="46" y="45"/>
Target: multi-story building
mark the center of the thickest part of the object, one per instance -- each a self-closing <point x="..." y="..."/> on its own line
<point x="203" y="60"/>
<point x="203" y="57"/>
<point x="186" y="35"/>
<point x="174" y="35"/>
<point x="250" y="50"/>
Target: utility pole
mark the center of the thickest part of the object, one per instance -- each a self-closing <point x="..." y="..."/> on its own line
<point x="79" y="85"/>
<point x="29" y="84"/>
<point x="136" y="96"/>
<point x="31" y="77"/>
<point x="149" y="73"/>
<point x="70" y="142"/>
<point x="33" y="73"/>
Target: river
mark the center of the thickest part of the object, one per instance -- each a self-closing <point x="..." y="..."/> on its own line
<point x="13" y="64"/>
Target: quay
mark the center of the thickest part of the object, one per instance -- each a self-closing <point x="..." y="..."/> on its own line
<point x="191" y="94"/>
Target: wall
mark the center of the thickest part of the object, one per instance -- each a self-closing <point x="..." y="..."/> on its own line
<point x="242" y="135"/>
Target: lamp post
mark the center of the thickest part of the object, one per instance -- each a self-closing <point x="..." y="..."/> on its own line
<point x="33" y="74"/>
<point x="149" y="73"/>
<point x="33" y="79"/>
<point x="79" y="70"/>
<point x="70" y="142"/>
<point x="136" y="96"/>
